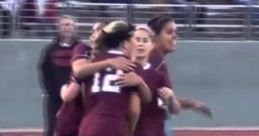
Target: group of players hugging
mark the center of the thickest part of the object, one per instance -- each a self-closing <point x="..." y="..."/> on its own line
<point x="117" y="84"/>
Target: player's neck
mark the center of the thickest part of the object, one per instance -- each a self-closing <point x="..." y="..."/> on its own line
<point x="141" y="60"/>
<point x="125" y="51"/>
<point x="160" y="50"/>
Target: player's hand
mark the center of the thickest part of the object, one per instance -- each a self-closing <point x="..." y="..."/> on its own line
<point x="129" y="79"/>
<point x="203" y="109"/>
<point x="165" y="93"/>
<point x="121" y="63"/>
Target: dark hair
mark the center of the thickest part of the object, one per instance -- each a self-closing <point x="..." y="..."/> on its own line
<point x="158" y="23"/>
<point x="113" y="34"/>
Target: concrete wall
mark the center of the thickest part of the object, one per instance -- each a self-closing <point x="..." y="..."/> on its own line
<point x="222" y="74"/>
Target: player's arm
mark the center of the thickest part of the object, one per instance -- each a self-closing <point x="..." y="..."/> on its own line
<point x="196" y="106"/>
<point x="167" y="94"/>
<point x="144" y="91"/>
<point x="84" y="67"/>
<point x="170" y="99"/>
<point x="132" y="79"/>
<point x="134" y="111"/>
<point x="70" y="91"/>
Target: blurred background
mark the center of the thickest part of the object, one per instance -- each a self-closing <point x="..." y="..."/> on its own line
<point x="196" y="19"/>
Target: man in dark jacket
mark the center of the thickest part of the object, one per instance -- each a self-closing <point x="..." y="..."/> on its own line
<point x="55" y="68"/>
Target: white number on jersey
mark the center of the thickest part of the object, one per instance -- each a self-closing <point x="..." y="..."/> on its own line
<point x="106" y="83"/>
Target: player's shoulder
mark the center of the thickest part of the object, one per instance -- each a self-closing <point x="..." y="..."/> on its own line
<point x="108" y="54"/>
<point x="82" y="50"/>
<point x="155" y="58"/>
<point x="152" y="72"/>
<point x="82" y="46"/>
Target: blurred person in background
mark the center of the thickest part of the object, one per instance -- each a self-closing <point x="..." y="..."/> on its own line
<point x="5" y="17"/>
<point x="28" y="14"/>
<point x="179" y="12"/>
<point x="39" y="15"/>
<point x="55" y="67"/>
<point x="199" y="12"/>
<point x="47" y="11"/>
<point x="8" y="9"/>
<point x="253" y="12"/>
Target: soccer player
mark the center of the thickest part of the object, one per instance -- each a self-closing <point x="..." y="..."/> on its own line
<point x="153" y="114"/>
<point x="165" y="42"/>
<point x="95" y="32"/>
<point x="69" y="116"/>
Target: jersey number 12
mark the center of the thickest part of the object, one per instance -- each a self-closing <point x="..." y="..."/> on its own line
<point x="106" y="85"/>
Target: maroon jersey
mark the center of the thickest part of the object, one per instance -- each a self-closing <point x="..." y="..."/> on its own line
<point x="56" y="68"/>
<point x="70" y="114"/>
<point x="69" y="117"/>
<point x="158" y="63"/>
<point x="107" y="103"/>
<point x="82" y="51"/>
<point x="151" y="121"/>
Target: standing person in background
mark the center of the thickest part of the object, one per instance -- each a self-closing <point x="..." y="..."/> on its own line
<point x="28" y="13"/>
<point x="8" y="9"/>
<point x="55" y="68"/>
<point x="164" y="28"/>
<point x="5" y="9"/>
<point x="42" y="12"/>
<point x="47" y="11"/>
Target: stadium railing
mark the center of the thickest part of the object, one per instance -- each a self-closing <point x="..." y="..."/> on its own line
<point x="195" y="22"/>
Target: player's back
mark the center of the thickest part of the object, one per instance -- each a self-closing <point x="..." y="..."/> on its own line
<point x="108" y="104"/>
<point x="107" y="98"/>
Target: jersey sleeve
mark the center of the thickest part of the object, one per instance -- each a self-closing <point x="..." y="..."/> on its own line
<point x="75" y="79"/>
<point x="81" y="51"/>
<point x="163" y="80"/>
<point x="139" y="71"/>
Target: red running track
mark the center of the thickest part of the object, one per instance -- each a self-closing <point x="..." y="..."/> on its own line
<point x="177" y="132"/>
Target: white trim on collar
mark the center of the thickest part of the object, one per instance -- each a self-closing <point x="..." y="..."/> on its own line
<point x="147" y="66"/>
<point x="65" y="45"/>
<point x="115" y="52"/>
